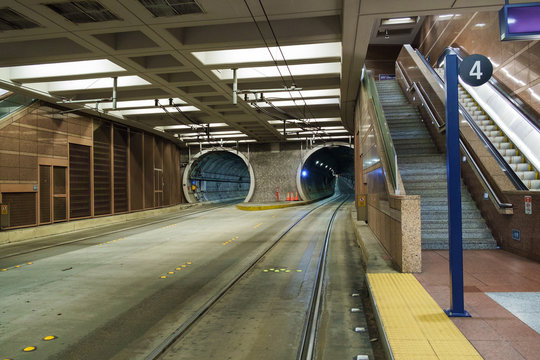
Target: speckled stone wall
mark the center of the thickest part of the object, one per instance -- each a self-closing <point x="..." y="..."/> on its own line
<point x="274" y="166"/>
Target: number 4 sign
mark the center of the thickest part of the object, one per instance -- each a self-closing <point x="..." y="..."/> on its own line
<point x="475" y="70"/>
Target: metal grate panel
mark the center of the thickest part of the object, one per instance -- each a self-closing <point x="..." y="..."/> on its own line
<point x="148" y="171"/>
<point x="22" y="208"/>
<point x="44" y="194"/>
<point x="161" y="8"/>
<point x="84" y="11"/>
<point x="136" y="170"/>
<point x="120" y="170"/>
<point x="102" y="168"/>
<point x="79" y="181"/>
<point x="12" y="20"/>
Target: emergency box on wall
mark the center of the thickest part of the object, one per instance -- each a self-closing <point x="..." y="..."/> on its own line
<point x="4" y="216"/>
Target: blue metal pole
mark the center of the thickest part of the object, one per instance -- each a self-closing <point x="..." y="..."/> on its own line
<point x="454" y="189"/>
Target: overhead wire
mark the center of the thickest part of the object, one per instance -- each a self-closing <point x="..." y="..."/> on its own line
<point x="278" y="67"/>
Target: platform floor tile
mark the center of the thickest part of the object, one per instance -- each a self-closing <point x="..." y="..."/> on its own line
<point x="414" y="324"/>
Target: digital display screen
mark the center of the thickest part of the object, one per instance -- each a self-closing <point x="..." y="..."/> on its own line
<point x="520" y="22"/>
<point x="523" y="19"/>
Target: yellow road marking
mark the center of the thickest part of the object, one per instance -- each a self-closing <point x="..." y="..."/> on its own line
<point x="29" y="348"/>
<point x="256" y="226"/>
<point x="50" y="337"/>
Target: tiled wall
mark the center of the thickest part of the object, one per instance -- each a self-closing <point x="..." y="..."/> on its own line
<point x="515" y="63"/>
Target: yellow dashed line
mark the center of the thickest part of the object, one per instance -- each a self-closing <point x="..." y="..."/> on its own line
<point x="280" y="270"/>
<point x="29" y="348"/>
<point x="256" y="226"/>
<point x="49" y="338"/>
<point x="178" y="268"/>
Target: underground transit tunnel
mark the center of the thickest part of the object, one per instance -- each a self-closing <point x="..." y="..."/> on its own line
<point x="217" y="175"/>
<point x="325" y="170"/>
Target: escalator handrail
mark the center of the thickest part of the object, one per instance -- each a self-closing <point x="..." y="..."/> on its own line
<point x="495" y="85"/>
<point x="418" y="88"/>
<point x="516" y="181"/>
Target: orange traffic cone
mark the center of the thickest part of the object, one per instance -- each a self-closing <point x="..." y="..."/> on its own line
<point x="296" y="197"/>
<point x="288" y="196"/>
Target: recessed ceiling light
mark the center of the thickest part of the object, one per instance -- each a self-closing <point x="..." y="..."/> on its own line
<point x="400" y="21"/>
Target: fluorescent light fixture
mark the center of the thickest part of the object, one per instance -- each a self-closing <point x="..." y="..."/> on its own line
<point x="285" y="95"/>
<point x="89" y="84"/>
<point x="291" y="52"/>
<point x="317" y="120"/>
<point x="224" y="142"/>
<point x="480" y="25"/>
<point x="511" y="20"/>
<point x="64" y="69"/>
<point x="134" y="104"/>
<point x="283" y="103"/>
<point x="179" y="127"/>
<point x="318" y="138"/>
<point x="446" y="16"/>
<point x="399" y="21"/>
<point x="154" y="110"/>
<point x="272" y="71"/>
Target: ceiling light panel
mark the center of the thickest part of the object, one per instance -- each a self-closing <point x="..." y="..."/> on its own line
<point x="179" y="127"/>
<point x="160" y="8"/>
<point x="64" y="69"/>
<point x="12" y="20"/>
<point x="137" y="104"/>
<point x="272" y="71"/>
<point x="90" y="84"/>
<point x="284" y="103"/>
<point x="318" y="120"/>
<point x="400" y="21"/>
<point x="291" y="52"/>
<point x="155" y="110"/>
<point x="84" y="11"/>
<point x="298" y="94"/>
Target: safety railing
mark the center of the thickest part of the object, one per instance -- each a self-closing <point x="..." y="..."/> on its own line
<point x="389" y="150"/>
<point x="12" y="102"/>
<point x="516" y="181"/>
<point x="428" y="106"/>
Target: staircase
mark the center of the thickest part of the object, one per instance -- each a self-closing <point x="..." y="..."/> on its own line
<point x="423" y="171"/>
<point x="521" y="166"/>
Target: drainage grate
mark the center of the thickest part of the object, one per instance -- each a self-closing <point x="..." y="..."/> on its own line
<point x="84" y="11"/>
<point x="12" y="20"/>
<point x="171" y="7"/>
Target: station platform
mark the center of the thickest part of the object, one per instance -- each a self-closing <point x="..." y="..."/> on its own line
<point x="502" y="293"/>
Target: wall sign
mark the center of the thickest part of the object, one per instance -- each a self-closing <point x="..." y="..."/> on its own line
<point x="3" y="209"/>
<point x="475" y="70"/>
<point x="516" y="234"/>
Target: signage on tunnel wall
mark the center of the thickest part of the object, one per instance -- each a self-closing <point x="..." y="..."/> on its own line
<point x="3" y="209"/>
<point x="361" y="201"/>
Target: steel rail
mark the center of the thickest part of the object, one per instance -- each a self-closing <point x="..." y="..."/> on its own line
<point x="306" y="350"/>
<point x="193" y="319"/>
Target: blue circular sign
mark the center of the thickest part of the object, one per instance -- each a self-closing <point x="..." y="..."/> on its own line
<point x="475" y="70"/>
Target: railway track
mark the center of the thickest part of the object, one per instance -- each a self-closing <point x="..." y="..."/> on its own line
<point x="307" y="344"/>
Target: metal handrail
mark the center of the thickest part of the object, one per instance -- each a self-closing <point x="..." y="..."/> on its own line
<point x="485" y="140"/>
<point x="425" y="104"/>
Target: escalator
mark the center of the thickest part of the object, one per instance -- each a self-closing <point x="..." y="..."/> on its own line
<point x="511" y="153"/>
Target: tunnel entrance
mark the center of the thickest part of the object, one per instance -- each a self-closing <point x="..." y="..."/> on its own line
<point x="326" y="169"/>
<point x="218" y="175"/>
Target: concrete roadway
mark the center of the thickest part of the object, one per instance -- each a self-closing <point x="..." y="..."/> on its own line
<point x="118" y="296"/>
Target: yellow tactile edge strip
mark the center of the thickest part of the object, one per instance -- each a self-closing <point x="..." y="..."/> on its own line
<point x="273" y="206"/>
<point x="413" y="324"/>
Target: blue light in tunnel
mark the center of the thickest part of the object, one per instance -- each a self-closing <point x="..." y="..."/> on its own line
<point x="304" y="173"/>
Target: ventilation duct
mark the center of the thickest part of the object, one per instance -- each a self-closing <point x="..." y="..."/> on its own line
<point x="80" y="12"/>
<point x="12" y="20"/>
<point x="161" y="8"/>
